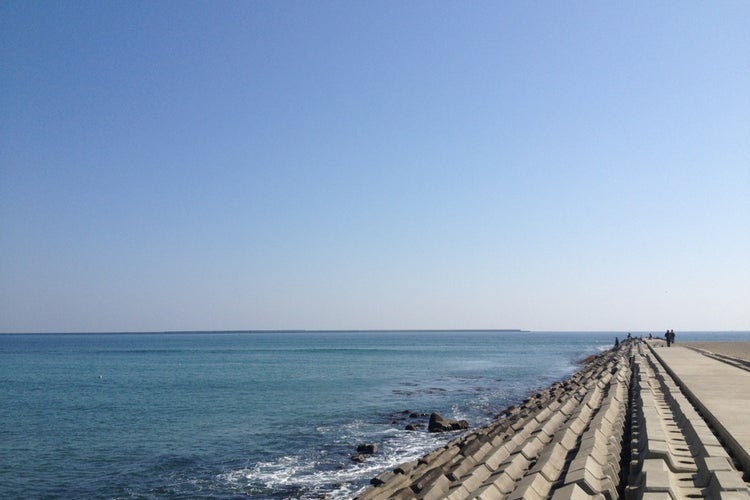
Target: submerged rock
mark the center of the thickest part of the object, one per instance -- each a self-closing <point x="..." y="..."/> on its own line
<point x="367" y="448"/>
<point x="363" y="450"/>
<point x="440" y="424"/>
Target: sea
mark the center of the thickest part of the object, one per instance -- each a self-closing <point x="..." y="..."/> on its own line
<point x="272" y="415"/>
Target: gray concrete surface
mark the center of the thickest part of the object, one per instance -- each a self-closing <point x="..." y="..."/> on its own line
<point x="739" y="350"/>
<point x="720" y="391"/>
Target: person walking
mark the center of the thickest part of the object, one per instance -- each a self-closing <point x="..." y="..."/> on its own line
<point x="670" y="337"/>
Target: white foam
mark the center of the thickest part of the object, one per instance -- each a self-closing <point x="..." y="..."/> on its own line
<point x="272" y="474"/>
<point x="313" y="476"/>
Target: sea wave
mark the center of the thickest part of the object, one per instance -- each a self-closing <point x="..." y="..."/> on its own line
<point x="310" y="476"/>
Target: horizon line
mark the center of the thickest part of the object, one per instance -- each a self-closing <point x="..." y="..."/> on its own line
<point x="357" y="330"/>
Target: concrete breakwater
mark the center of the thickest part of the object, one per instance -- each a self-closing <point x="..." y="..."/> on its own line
<point x="618" y="428"/>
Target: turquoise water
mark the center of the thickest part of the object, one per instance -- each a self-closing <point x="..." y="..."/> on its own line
<point x="265" y="415"/>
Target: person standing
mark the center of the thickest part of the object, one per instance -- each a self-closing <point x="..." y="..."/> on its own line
<point x="668" y="338"/>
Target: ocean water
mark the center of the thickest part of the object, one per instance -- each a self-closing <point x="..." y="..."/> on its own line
<point x="261" y="415"/>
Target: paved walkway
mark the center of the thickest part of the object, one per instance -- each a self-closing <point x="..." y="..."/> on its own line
<point x="719" y="390"/>
<point x="739" y="350"/>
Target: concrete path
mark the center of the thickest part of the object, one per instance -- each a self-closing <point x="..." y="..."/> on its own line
<point x="740" y="350"/>
<point x="720" y="391"/>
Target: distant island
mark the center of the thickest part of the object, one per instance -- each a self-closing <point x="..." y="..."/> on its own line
<point x="184" y="332"/>
<point x="366" y="330"/>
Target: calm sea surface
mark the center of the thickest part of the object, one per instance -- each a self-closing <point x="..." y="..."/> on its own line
<point x="264" y="415"/>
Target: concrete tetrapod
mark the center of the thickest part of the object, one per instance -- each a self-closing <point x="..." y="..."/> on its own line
<point x="565" y="438"/>
<point x="619" y="427"/>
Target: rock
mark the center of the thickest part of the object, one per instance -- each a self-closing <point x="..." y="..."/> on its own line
<point x="367" y="448"/>
<point x="440" y="424"/>
<point x="400" y="416"/>
<point x="411" y="427"/>
<point x="359" y="458"/>
<point x="460" y="425"/>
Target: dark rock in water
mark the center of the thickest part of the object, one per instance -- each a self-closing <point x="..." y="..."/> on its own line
<point x="437" y="423"/>
<point x="440" y="424"/>
<point x="411" y="427"/>
<point x="417" y="415"/>
<point x="367" y="448"/>
<point x="511" y="410"/>
<point x="359" y="458"/>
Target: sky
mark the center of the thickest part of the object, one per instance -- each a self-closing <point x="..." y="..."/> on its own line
<point x="183" y="165"/>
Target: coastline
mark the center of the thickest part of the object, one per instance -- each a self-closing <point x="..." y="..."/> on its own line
<point x="297" y="444"/>
<point x="601" y="432"/>
<point x="248" y="450"/>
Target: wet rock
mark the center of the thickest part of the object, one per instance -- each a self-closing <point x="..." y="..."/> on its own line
<point x="411" y="427"/>
<point x="508" y="412"/>
<point x="358" y="458"/>
<point x="367" y="448"/>
<point x="440" y="424"/>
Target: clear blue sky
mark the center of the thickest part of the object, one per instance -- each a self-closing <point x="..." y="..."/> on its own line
<point x="333" y="165"/>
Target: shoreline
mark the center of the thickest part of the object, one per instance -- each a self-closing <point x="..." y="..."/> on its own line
<point x="472" y="377"/>
<point x="599" y="432"/>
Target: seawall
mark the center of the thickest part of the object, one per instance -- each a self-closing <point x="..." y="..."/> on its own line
<point x="621" y="427"/>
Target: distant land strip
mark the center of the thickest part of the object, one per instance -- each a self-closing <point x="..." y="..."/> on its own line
<point x="394" y="330"/>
